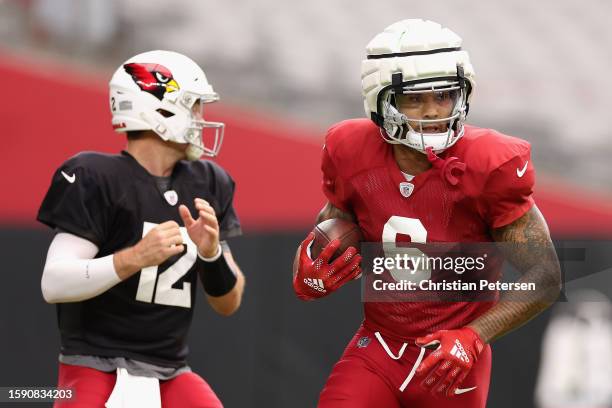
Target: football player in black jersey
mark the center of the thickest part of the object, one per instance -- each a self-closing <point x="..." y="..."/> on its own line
<point x="134" y="232"/>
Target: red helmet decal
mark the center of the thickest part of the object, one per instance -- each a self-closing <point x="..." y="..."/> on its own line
<point x="153" y="78"/>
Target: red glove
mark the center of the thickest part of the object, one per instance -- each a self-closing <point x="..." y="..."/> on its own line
<point x="318" y="278"/>
<point x="455" y="353"/>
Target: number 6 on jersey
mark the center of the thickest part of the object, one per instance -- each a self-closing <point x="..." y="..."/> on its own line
<point x="418" y="234"/>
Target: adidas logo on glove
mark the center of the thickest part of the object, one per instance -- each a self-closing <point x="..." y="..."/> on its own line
<point x="316" y="284"/>
<point x="459" y="352"/>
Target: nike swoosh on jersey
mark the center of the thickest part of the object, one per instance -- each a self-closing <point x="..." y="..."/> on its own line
<point x="464" y="390"/>
<point x="521" y="172"/>
<point x="70" y="179"/>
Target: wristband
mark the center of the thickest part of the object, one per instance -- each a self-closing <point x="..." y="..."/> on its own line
<point x="212" y="258"/>
<point x="217" y="277"/>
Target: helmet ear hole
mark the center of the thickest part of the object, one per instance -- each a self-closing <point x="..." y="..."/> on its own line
<point x="165" y="113"/>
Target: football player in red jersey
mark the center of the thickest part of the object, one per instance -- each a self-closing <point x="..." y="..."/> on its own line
<point x="414" y="168"/>
<point x="135" y="231"/>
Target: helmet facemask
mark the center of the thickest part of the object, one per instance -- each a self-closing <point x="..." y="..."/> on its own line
<point x="204" y="137"/>
<point x="181" y="120"/>
<point x="439" y="132"/>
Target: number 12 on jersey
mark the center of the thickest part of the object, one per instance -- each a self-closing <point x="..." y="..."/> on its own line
<point x="150" y="283"/>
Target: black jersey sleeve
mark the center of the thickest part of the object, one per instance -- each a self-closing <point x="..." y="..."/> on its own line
<point x="75" y="202"/>
<point x="229" y="224"/>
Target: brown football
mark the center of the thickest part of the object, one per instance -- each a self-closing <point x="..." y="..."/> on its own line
<point x="335" y="228"/>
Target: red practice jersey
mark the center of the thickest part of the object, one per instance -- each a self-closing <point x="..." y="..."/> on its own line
<point x="361" y="176"/>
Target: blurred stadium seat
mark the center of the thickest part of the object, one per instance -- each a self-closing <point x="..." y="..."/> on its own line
<point x="540" y="65"/>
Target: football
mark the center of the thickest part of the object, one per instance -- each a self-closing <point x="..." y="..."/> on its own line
<point x="335" y="228"/>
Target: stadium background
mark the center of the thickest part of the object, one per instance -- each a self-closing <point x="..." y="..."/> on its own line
<point x="285" y="72"/>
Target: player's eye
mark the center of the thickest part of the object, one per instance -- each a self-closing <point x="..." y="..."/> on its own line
<point x="161" y="78"/>
<point x="410" y="100"/>
<point x="415" y="98"/>
<point x="442" y="96"/>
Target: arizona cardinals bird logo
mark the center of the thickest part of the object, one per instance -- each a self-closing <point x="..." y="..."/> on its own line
<point x="153" y="78"/>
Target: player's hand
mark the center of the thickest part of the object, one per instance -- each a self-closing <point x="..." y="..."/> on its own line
<point x="317" y="278"/>
<point x="456" y="351"/>
<point x="159" y="244"/>
<point x="203" y="231"/>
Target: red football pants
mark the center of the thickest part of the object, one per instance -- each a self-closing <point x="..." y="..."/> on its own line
<point x="368" y="377"/>
<point x="92" y="388"/>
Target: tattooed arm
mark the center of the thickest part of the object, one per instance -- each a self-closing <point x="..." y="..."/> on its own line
<point x="531" y="251"/>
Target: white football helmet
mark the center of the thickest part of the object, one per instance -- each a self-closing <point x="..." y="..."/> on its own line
<point x="414" y="57"/>
<point x="165" y="91"/>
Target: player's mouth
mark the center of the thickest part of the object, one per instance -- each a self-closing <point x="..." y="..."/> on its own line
<point x="433" y="129"/>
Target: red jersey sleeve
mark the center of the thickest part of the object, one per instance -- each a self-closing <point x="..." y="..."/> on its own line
<point x="337" y="164"/>
<point x="334" y="187"/>
<point x="508" y="192"/>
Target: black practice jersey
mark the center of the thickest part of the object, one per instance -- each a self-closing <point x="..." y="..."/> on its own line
<point x="113" y="202"/>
